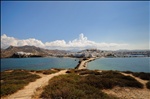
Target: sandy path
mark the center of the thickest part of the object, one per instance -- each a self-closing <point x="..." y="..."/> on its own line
<point x="128" y="92"/>
<point x="138" y="79"/>
<point x="30" y="89"/>
<point x="83" y="64"/>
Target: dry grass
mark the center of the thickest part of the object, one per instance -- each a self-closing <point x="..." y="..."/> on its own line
<point x="46" y="72"/>
<point x="15" y="80"/>
<point x="148" y="84"/>
<point x="69" y="87"/>
<point x="74" y="85"/>
<point x="141" y="75"/>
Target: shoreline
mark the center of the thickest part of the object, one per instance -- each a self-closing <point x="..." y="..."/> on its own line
<point x="76" y="66"/>
<point x="83" y="63"/>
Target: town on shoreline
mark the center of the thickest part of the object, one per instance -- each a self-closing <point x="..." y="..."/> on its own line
<point x="32" y="51"/>
<point x="84" y="56"/>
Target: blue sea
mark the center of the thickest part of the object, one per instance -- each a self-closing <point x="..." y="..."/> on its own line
<point x="136" y="64"/>
<point x="121" y="64"/>
<point x="38" y="63"/>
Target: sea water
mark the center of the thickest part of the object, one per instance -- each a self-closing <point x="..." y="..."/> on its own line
<point x="38" y="63"/>
<point x="137" y="64"/>
<point x="122" y="64"/>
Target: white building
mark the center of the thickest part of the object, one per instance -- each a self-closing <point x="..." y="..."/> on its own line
<point x="23" y="53"/>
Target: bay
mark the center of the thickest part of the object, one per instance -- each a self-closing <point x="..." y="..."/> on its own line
<point x="138" y="64"/>
<point x="121" y="64"/>
<point x="38" y="63"/>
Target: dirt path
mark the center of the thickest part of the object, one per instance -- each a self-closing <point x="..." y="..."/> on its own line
<point x="138" y="79"/>
<point x="83" y="64"/>
<point x="30" y="89"/>
<point x="128" y="92"/>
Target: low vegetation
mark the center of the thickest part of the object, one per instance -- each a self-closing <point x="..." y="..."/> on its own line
<point x="70" y="87"/>
<point x="82" y="84"/>
<point x="141" y="75"/>
<point x="47" y="72"/>
<point x="86" y="84"/>
<point x="83" y="71"/>
<point x="148" y="84"/>
<point x="14" y="80"/>
<point x="110" y="79"/>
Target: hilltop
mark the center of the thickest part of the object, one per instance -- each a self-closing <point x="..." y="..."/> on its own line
<point x="11" y="50"/>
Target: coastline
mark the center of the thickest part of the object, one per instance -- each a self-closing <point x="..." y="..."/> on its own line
<point x="34" y="89"/>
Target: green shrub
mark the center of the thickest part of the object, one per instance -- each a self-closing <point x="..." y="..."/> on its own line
<point x="58" y="69"/>
<point x="70" y="87"/>
<point x="128" y="72"/>
<point x="89" y="72"/>
<point x="83" y="72"/>
<point x="32" y="70"/>
<point x="15" y="80"/>
<point x="148" y="84"/>
<point x="73" y="86"/>
<point x="39" y="71"/>
<point x="141" y="75"/>
<point x="47" y="72"/>
<point x="123" y="81"/>
<point x="68" y="71"/>
<point x="107" y="79"/>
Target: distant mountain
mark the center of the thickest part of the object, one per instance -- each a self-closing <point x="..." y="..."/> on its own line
<point x="126" y="50"/>
<point x="6" y="53"/>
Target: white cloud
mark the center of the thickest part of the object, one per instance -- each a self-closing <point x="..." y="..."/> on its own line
<point x="81" y="43"/>
<point x="7" y="41"/>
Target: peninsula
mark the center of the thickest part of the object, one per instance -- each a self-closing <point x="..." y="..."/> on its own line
<point x="83" y="63"/>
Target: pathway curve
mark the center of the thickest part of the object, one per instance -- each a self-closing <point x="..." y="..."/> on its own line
<point x="128" y="92"/>
<point x="31" y="88"/>
<point x="138" y="79"/>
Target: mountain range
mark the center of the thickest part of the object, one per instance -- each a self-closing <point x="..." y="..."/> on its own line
<point x="8" y="52"/>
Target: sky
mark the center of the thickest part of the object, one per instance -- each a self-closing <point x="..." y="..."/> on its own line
<point x="106" y="25"/>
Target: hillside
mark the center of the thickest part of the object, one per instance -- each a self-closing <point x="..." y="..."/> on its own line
<point x="6" y="53"/>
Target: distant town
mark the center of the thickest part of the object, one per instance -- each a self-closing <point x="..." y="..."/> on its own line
<point x="93" y="53"/>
